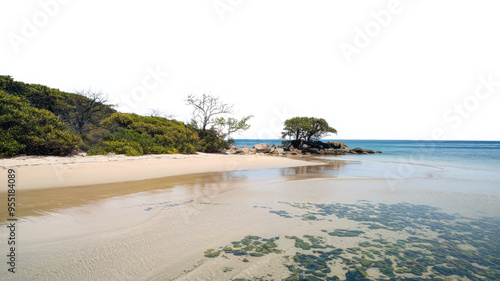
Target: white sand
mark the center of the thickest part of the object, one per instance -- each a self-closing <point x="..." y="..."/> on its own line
<point x="49" y="172"/>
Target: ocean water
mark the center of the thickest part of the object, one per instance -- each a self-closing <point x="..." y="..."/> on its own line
<point x="473" y="162"/>
<point x="484" y="154"/>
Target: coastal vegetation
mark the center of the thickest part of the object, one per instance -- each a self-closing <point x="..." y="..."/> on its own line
<point x="29" y="130"/>
<point x="38" y="120"/>
<point x="133" y="135"/>
<point x="306" y="129"/>
<point x="205" y="109"/>
<point x="209" y="118"/>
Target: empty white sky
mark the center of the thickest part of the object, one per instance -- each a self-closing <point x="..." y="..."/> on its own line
<point x="273" y="59"/>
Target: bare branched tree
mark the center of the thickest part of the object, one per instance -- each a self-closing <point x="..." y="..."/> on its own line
<point x="159" y="113"/>
<point x="87" y="107"/>
<point x="206" y="108"/>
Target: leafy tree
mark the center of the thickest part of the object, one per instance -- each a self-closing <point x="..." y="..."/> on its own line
<point x="295" y="128"/>
<point x="231" y="125"/>
<point x="306" y="128"/>
<point x="205" y="109"/>
<point x="317" y="129"/>
<point x="28" y="130"/>
<point x="214" y="128"/>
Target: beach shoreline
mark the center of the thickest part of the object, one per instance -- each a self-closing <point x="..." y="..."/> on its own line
<point x="187" y="204"/>
<point x="41" y="172"/>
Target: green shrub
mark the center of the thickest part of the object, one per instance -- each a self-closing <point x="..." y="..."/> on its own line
<point x="8" y="145"/>
<point x="32" y="131"/>
<point x="212" y="143"/>
<point x="133" y="135"/>
<point x="72" y="109"/>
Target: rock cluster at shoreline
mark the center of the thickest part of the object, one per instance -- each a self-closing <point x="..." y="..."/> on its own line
<point x="299" y="148"/>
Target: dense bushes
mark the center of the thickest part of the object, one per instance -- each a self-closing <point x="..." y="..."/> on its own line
<point x="28" y="130"/>
<point x="38" y="120"/>
<point x="78" y="112"/>
<point x="212" y="142"/>
<point x="132" y="134"/>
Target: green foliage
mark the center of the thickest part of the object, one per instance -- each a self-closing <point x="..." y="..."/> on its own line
<point x="212" y="142"/>
<point x="38" y="96"/>
<point x="231" y="125"/>
<point x="205" y="108"/>
<point x="306" y="128"/>
<point x="119" y="147"/>
<point x="38" y="120"/>
<point x="32" y="131"/>
<point x="77" y="111"/>
<point x="294" y="128"/>
<point x="212" y="129"/>
<point x="133" y="135"/>
<point x="8" y="145"/>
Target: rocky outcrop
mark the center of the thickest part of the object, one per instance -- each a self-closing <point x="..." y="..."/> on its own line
<point x="300" y="148"/>
<point x="259" y="148"/>
<point x="338" y="145"/>
<point x="262" y="148"/>
<point x="359" y="150"/>
<point x="322" y="148"/>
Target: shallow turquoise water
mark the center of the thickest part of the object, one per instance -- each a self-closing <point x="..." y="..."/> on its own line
<point x="472" y="163"/>
<point x="484" y="154"/>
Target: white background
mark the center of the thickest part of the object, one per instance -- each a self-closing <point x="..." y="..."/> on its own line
<point x="273" y="59"/>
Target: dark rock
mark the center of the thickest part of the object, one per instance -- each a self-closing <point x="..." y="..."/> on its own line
<point x="321" y="148"/>
<point x="358" y="150"/>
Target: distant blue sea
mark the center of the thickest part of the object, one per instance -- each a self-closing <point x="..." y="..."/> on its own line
<point x="467" y="160"/>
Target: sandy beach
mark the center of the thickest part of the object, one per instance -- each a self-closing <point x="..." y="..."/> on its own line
<point x="39" y="172"/>
<point x="160" y="217"/>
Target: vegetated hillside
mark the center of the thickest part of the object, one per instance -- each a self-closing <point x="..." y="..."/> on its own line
<point x="78" y="112"/>
<point x="38" y="120"/>
<point x="28" y="130"/>
<point x="133" y="134"/>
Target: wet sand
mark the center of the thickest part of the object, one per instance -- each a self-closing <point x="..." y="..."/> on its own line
<point x="159" y="229"/>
